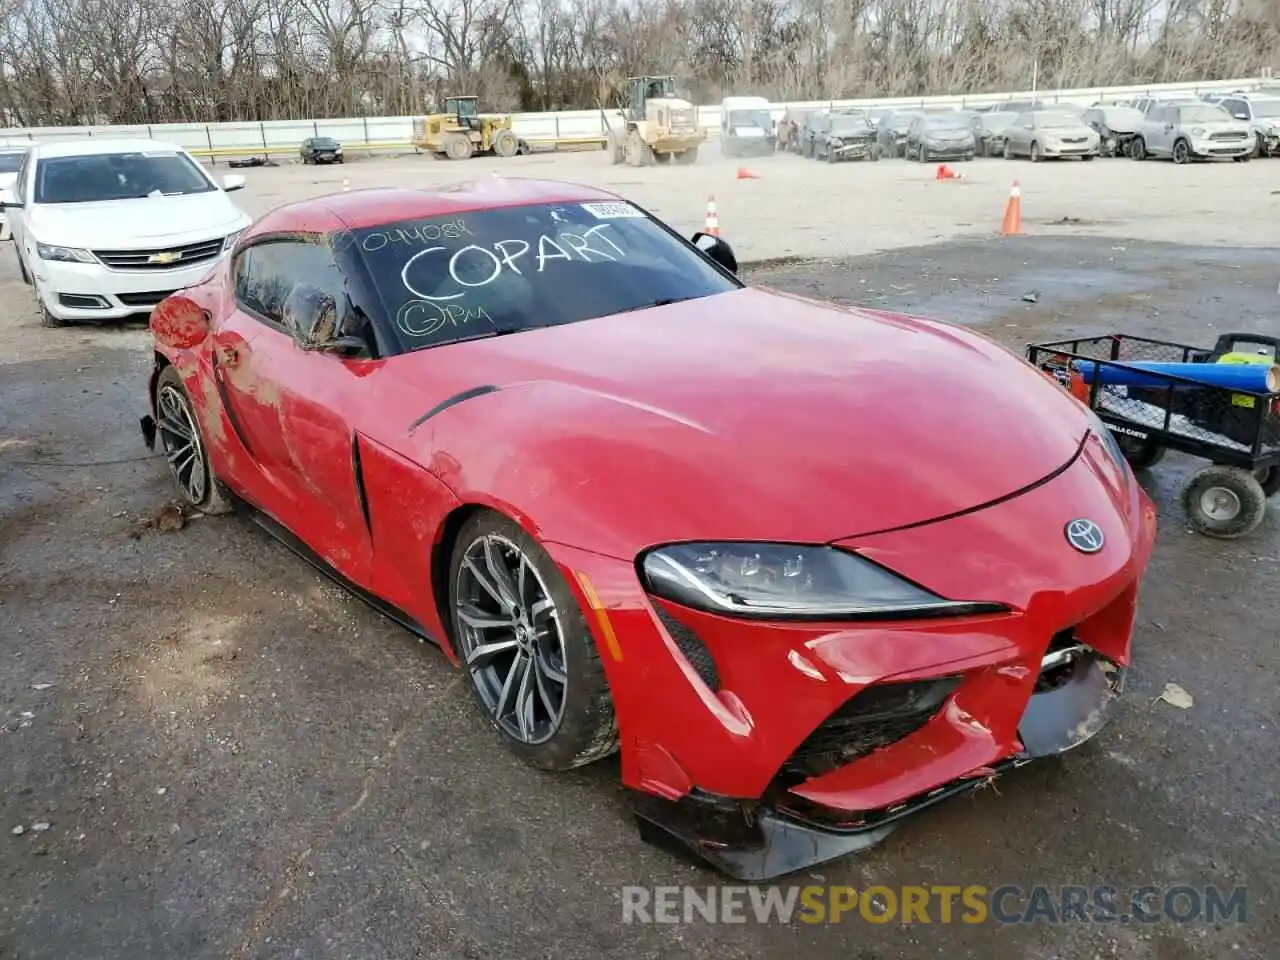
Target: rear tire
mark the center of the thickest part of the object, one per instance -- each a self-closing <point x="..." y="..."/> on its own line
<point x="186" y="454"/>
<point x="1224" y="502"/>
<point x="543" y="688"/>
<point x="1141" y="454"/>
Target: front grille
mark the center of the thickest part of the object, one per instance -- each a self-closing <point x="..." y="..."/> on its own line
<point x="1229" y="136"/>
<point x="1075" y="139"/>
<point x="187" y="255"/>
<point x="876" y="717"/>
<point x="143" y="299"/>
<point x="692" y="647"/>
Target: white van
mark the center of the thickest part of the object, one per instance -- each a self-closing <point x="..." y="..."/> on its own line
<point x="747" y="128"/>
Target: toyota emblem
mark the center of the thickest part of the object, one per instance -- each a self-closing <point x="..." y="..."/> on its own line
<point x="1085" y="535"/>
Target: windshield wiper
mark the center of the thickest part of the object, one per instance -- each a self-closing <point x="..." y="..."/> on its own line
<point x="496" y="332"/>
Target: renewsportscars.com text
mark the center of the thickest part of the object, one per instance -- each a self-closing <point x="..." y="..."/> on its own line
<point x="972" y="904"/>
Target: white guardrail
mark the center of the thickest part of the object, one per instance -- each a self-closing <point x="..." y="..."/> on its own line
<point x="392" y="133"/>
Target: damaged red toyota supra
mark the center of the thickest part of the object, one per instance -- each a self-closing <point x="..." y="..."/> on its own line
<point x="809" y="569"/>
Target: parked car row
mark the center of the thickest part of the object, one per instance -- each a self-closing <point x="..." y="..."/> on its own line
<point x="1236" y="126"/>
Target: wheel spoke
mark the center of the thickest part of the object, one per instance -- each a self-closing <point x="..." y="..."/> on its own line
<point x="483" y="580"/>
<point x="520" y="578"/>
<point x="542" y="608"/>
<point x="517" y="667"/>
<point x="524" y="701"/>
<point x="500" y="573"/>
<point x="483" y="655"/>
<point x="175" y="426"/>
<point x="545" y="695"/>
<point x="549" y="670"/>
<point x="478" y="619"/>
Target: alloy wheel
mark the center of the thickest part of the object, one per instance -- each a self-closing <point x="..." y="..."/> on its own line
<point x="180" y="439"/>
<point x="511" y="639"/>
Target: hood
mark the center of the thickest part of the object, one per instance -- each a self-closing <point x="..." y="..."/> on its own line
<point x="948" y="133"/>
<point x="1081" y="129"/>
<point x="854" y="133"/>
<point x="1225" y="125"/>
<point x="750" y="415"/>
<point x="7" y="180"/>
<point x="145" y="222"/>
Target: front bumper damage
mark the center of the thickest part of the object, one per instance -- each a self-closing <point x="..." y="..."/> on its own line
<point x="851" y="149"/>
<point x="759" y="841"/>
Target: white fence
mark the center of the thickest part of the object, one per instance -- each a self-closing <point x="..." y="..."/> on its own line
<point x="391" y="133"/>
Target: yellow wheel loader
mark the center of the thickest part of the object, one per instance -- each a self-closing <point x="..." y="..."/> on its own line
<point x="459" y="131"/>
<point x="655" y="126"/>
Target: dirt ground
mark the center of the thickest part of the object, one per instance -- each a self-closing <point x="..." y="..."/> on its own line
<point x="803" y="208"/>
<point x="235" y="759"/>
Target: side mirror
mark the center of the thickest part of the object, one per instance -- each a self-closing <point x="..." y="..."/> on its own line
<point x="233" y="181"/>
<point x="717" y="249"/>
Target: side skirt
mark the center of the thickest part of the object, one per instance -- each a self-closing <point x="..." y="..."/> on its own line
<point x="283" y="534"/>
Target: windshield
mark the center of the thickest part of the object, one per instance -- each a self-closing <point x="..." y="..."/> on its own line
<point x="1056" y="121"/>
<point x="841" y="122"/>
<point x="997" y="121"/>
<point x="947" y="123"/>
<point x="118" y="176"/>
<point x="1266" y="108"/>
<point x="751" y="118"/>
<point x="517" y="268"/>
<point x="324" y="142"/>
<point x="1203" y="114"/>
<point x="10" y="162"/>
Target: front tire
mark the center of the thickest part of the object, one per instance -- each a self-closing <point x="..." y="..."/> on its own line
<point x="1181" y="152"/>
<point x="182" y="441"/>
<point x="535" y="669"/>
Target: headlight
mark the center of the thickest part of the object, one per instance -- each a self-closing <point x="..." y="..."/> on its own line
<point x="787" y="581"/>
<point x="48" y="251"/>
<point x="231" y="240"/>
<point x="337" y="149"/>
<point x="1197" y="131"/>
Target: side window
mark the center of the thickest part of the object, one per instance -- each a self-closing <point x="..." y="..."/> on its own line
<point x="20" y="184"/>
<point x="268" y="273"/>
<point x="1158" y="115"/>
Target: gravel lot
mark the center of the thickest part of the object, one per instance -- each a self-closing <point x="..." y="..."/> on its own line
<point x="237" y="760"/>
<point x="803" y="208"/>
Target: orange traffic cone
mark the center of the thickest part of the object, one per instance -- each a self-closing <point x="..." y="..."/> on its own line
<point x="1012" y="225"/>
<point x="712" y="227"/>
<point x="942" y="172"/>
<point x="745" y="174"/>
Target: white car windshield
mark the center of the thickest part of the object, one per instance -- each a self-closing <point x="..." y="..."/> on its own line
<point x="10" y="162"/>
<point x="1266" y="108"/>
<point x="117" y="176"/>
<point x="1056" y="121"/>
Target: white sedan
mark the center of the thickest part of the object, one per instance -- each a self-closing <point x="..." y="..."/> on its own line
<point x="11" y="153"/>
<point x="107" y="228"/>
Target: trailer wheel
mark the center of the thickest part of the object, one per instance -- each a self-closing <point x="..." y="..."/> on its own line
<point x="1141" y="453"/>
<point x="1269" y="480"/>
<point x="1224" y="502"/>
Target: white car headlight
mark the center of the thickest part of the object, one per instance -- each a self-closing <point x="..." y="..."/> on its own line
<point x="1197" y="131"/>
<point x="49" y="251"/>
<point x="231" y="239"/>
<point x="789" y="581"/>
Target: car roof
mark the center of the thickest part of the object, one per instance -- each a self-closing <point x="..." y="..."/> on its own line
<point x="95" y="146"/>
<point x="358" y="209"/>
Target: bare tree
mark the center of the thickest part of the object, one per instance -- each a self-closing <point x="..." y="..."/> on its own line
<point x="70" y="62"/>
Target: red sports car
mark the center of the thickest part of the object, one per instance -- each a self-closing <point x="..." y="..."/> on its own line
<point x="809" y="568"/>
